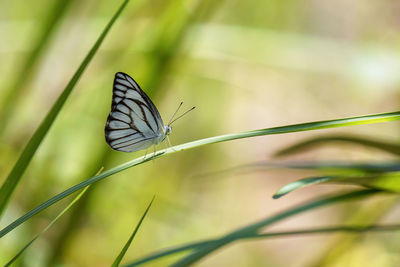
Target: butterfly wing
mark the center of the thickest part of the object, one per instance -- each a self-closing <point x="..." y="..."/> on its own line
<point x="134" y="122"/>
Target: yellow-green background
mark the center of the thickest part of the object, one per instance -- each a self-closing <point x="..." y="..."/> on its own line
<point x="244" y="65"/>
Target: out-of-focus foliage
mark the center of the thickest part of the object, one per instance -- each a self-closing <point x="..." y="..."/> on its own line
<point x="47" y="227"/>
<point x="245" y="65"/>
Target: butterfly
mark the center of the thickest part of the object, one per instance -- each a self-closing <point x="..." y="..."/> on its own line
<point x="134" y="122"/>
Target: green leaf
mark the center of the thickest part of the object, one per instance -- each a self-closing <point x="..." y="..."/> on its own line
<point x="308" y="144"/>
<point x="211" y="140"/>
<point x="48" y="226"/>
<point x="22" y="163"/>
<point x="128" y="243"/>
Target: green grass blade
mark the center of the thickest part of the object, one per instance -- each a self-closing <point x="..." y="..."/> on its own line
<point x="365" y="215"/>
<point x="256" y="227"/>
<point x="322" y="230"/>
<point x="382" y="181"/>
<point x="276" y="130"/>
<point x="128" y="243"/>
<point x="251" y="231"/>
<point x="301" y="183"/>
<point x="302" y="146"/>
<point x="335" y="167"/>
<point x="362" y="167"/>
<point x="22" y="163"/>
<point x="48" y="226"/>
<point x="171" y="251"/>
<point x="326" y="230"/>
<point x="376" y="118"/>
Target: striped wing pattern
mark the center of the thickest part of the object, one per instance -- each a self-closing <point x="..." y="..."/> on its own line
<point x="134" y="122"/>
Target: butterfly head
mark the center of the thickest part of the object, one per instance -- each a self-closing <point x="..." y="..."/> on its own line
<point x="167" y="130"/>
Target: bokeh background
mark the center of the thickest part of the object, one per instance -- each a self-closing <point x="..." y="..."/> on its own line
<point x="245" y="65"/>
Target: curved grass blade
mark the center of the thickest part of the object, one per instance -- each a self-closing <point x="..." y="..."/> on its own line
<point x="308" y="144"/>
<point x="326" y="230"/>
<point x="254" y="228"/>
<point x="171" y="251"/>
<point x="301" y="183"/>
<point x="365" y="215"/>
<point x="211" y="140"/>
<point x="52" y="222"/>
<point x="323" y="230"/>
<point x="128" y="243"/>
<point x="332" y="166"/>
<point x="384" y="181"/>
<point x="23" y="161"/>
<point x="203" y="248"/>
<point x="48" y="226"/>
<point x="361" y="167"/>
<point x="73" y="223"/>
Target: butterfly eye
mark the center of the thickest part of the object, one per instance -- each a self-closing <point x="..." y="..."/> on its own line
<point x="167" y="129"/>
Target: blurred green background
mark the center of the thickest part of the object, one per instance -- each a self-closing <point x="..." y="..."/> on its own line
<point x="244" y="65"/>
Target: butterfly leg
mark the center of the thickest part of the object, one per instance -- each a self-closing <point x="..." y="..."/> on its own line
<point x="145" y="154"/>
<point x="169" y="143"/>
<point x="154" y="154"/>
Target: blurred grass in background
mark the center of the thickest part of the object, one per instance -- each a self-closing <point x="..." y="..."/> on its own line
<point x="245" y="65"/>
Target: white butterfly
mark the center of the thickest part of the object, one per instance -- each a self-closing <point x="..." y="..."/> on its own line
<point x="134" y="122"/>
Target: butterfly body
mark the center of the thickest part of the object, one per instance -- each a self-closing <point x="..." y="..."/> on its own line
<point x="134" y="122"/>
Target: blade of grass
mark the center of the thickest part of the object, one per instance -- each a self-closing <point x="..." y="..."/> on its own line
<point x="388" y="181"/>
<point x="332" y="166"/>
<point x="383" y="181"/>
<point x="48" y="226"/>
<point x="169" y="34"/>
<point x="22" y="163"/>
<point x="323" y="230"/>
<point x="365" y="215"/>
<point x="301" y="183"/>
<point x="78" y="214"/>
<point x="254" y="228"/>
<point x="171" y="251"/>
<point x="52" y="222"/>
<point x="326" y="230"/>
<point x="392" y="148"/>
<point x="211" y="140"/>
<point x="117" y="261"/>
<point x="362" y="167"/>
<point x="251" y="231"/>
<point x="368" y="119"/>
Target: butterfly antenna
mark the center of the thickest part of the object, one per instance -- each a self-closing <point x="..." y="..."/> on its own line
<point x="176" y="111"/>
<point x="181" y="115"/>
